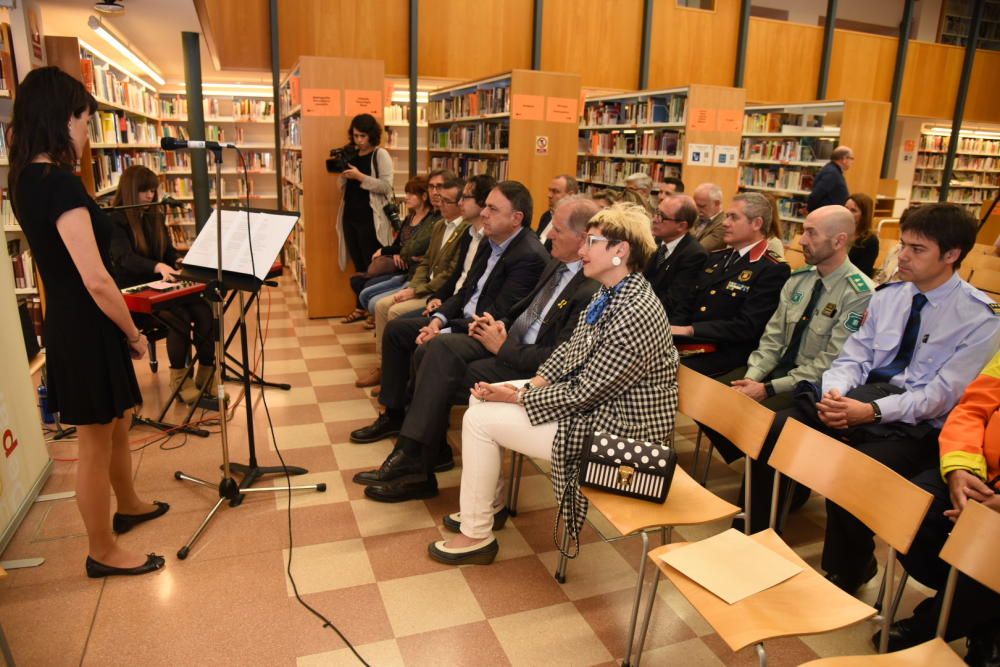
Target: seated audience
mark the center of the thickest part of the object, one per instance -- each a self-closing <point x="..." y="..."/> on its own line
<point x="775" y="235"/>
<point x="638" y="199"/>
<point x="505" y="269"/>
<point x="641" y="184"/>
<point x="606" y="198"/>
<point x="492" y="351"/>
<point x="735" y="295"/>
<point x="708" y="230"/>
<point x="921" y="342"/>
<point x="679" y="258"/>
<point x="671" y="186"/>
<point x="864" y="252"/>
<point x="969" y="446"/>
<point x="398" y="261"/>
<point x="617" y="373"/>
<point x="561" y="186"/>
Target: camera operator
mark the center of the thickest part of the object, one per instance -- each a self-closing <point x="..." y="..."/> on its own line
<point x="362" y="225"/>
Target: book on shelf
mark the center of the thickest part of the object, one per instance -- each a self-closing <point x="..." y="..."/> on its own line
<point x="780" y="122"/>
<point x="940" y="142"/>
<point x="400" y="113"/>
<point x="104" y="84"/>
<point x="109" y="165"/>
<point x="174" y="130"/>
<point x="659" y="143"/>
<point x="803" y="149"/>
<point x="173" y="107"/>
<point x="477" y="136"/>
<point x="466" y="166"/>
<point x="291" y="134"/>
<point x="493" y="98"/>
<point x="3" y="141"/>
<point x="657" y="109"/>
<point x="253" y="109"/>
<point x="24" y="265"/>
<point x="613" y="172"/>
<point x="7" y="218"/>
<point x="776" y="177"/>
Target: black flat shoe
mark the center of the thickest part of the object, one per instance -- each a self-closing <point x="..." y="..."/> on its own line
<point x="382" y="428"/>
<point x="850" y="583"/>
<point x="482" y="553"/>
<point x="411" y="487"/>
<point x="97" y="570"/>
<point x="397" y="465"/>
<point x="122" y="523"/>
<point x="453" y="521"/>
<point x="904" y="634"/>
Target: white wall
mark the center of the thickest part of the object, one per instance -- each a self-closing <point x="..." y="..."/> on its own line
<point x="879" y="12"/>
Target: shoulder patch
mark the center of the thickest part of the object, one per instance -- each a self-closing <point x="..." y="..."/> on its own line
<point x="892" y="284"/>
<point x="853" y="321"/>
<point x="995" y="307"/>
<point x="805" y="269"/>
<point x="775" y="257"/>
<point x="858" y="283"/>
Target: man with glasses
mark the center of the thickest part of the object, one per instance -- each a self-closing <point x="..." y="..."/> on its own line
<point x="830" y="186"/>
<point x="506" y="267"/>
<point x="494" y="350"/>
<point x="708" y="230"/>
<point x="735" y="295"/>
<point x="674" y="268"/>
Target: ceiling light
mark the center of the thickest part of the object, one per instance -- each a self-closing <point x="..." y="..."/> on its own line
<point x="241" y="86"/>
<point x="114" y="64"/>
<point x="109" y="7"/>
<point x="403" y="95"/>
<point x="98" y="27"/>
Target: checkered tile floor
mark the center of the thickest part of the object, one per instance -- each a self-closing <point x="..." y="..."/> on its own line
<point x="362" y="564"/>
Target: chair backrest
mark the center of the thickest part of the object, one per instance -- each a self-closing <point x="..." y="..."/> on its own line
<point x="888" y="228"/>
<point x="974" y="544"/>
<point x="986" y="280"/>
<point x="795" y="258"/>
<point x="890" y="505"/>
<point x="742" y="420"/>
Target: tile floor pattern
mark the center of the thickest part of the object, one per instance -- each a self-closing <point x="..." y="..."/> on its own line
<point x="362" y="564"/>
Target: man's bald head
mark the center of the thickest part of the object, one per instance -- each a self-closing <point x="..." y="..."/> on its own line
<point x="826" y="238"/>
<point x="834" y="220"/>
<point x="843" y="156"/>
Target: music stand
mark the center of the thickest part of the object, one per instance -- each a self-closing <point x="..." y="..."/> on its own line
<point x="250" y="254"/>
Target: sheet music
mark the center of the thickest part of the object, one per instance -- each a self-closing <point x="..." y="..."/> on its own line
<point x="268" y="232"/>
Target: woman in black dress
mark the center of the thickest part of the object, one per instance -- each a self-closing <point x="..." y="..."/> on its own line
<point x="864" y="252"/>
<point x="141" y="252"/>
<point x="89" y="335"/>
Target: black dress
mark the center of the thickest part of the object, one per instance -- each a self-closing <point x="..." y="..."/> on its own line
<point x="863" y="256"/>
<point x="90" y="374"/>
<point x="359" y="220"/>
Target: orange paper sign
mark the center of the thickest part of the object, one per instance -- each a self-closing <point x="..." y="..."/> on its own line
<point x="320" y="102"/>
<point x="909" y="146"/>
<point x="731" y="120"/>
<point x="363" y="101"/>
<point x="702" y="119"/>
<point x="561" y="110"/>
<point x="390" y="87"/>
<point x="293" y="88"/>
<point x="527" y="107"/>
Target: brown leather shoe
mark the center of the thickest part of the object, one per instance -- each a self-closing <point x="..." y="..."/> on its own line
<point x="373" y="378"/>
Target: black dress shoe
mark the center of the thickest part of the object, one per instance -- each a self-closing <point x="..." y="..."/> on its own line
<point x="904" y="634"/>
<point x="410" y="487"/>
<point x="984" y="648"/>
<point x="382" y="428"/>
<point x="97" y="570"/>
<point x="395" y="466"/>
<point x="850" y="582"/>
<point x="453" y="521"/>
<point x="122" y="523"/>
<point x="445" y="459"/>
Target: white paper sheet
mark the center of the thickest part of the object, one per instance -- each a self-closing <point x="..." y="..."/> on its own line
<point x="268" y="232"/>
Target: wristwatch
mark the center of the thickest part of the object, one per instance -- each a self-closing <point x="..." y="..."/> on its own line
<point x="769" y="388"/>
<point x="877" y="412"/>
<point x="522" y="391"/>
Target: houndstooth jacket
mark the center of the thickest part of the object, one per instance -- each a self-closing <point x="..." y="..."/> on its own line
<point x="617" y="375"/>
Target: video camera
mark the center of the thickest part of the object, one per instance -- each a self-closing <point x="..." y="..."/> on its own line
<point x="339" y="158"/>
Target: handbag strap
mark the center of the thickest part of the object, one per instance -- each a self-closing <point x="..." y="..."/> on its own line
<point x="568" y="523"/>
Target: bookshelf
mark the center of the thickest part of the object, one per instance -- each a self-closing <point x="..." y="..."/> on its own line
<point x="975" y="175"/>
<point x="317" y="100"/>
<point x="396" y="138"/>
<point x="651" y="131"/>
<point x="785" y="145"/>
<point x="956" y="19"/>
<point x="520" y="125"/>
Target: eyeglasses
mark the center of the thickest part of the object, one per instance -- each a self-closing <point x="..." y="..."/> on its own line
<point x="662" y="218"/>
<point x="593" y="238"/>
<point x="449" y="201"/>
<point x="435" y="186"/>
<point x="468" y="197"/>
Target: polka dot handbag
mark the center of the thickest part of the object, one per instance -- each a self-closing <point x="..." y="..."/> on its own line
<point x="628" y="467"/>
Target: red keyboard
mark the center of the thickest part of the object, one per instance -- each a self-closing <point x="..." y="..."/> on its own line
<point x="144" y="299"/>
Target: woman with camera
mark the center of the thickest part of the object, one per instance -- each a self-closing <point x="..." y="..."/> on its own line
<point x="393" y="265"/>
<point x="617" y="373"/>
<point x="362" y="224"/>
<point x="141" y="252"/>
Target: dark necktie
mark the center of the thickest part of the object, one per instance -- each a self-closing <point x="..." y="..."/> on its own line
<point x="661" y="255"/>
<point x="734" y="255"/>
<point x="906" y="345"/>
<point x="787" y="361"/>
<point x="534" y="311"/>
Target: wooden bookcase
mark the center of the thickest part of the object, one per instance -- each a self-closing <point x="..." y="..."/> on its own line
<point x="975" y="176"/>
<point x="785" y="145"/>
<point x="956" y="19"/>
<point x="520" y="125"/>
<point x="396" y="138"/>
<point x="318" y="99"/>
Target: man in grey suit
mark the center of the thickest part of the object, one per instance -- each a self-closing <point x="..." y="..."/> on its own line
<point x="708" y="229"/>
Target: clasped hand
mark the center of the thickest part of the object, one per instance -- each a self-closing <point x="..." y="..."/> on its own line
<point x="490" y="333"/>
<point x="963" y="486"/>
<point x="840" y="412"/>
<point x="495" y="393"/>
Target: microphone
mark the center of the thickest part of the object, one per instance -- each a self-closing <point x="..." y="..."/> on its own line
<point x="174" y="144"/>
<point x="170" y="201"/>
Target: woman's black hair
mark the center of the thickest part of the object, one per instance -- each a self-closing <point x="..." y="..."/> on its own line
<point x="45" y="101"/>
<point x="367" y="123"/>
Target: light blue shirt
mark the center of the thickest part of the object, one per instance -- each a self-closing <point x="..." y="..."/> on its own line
<point x="531" y="335"/>
<point x="959" y="333"/>
<point x="496" y="252"/>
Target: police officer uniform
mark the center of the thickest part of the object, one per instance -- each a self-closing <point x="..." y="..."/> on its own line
<point x="735" y="296"/>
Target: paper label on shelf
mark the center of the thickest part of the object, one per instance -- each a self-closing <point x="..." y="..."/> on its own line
<point x="363" y="101"/>
<point x="293" y="90"/>
<point x="389" y="89"/>
<point x="909" y="146"/>
<point x="726" y="156"/>
<point x="701" y="120"/>
<point x="731" y="120"/>
<point x="561" y="110"/>
<point x="700" y="154"/>
<point x="527" y="107"/>
<point x="320" y="102"/>
<point x="541" y="145"/>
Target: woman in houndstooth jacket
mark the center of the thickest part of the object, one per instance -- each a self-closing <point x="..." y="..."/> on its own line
<point x="617" y="373"/>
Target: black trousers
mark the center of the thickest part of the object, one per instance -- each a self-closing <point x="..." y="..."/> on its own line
<point x="908" y="450"/>
<point x="192" y="320"/>
<point x="399" y="343"/>
<point x="360" y="237"/>
<point x="976" y="607"/>
<point x="713" y="364"/>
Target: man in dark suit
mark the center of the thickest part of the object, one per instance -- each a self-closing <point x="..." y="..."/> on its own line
<point x="505" y="269"/>
<point x="562" y="186"/>
<point x="830" y="186"/>
<point x="494" y="350"/>
<point x="675" y="267"/>
<point x="735" y="295"/>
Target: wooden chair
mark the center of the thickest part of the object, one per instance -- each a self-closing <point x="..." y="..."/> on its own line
<point x="971" y="549"/>
<point x="795" y="258"/>
<point x="888" y="229"/>
<point x="986" y="280"/>
<point x="5" y="653"/>
<point x="807" y="603"/>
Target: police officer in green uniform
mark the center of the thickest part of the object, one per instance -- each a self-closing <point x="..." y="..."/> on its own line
<point x="820" y="306"/>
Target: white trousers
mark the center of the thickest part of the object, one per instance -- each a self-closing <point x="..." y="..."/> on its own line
<point x="486" y="429"/>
